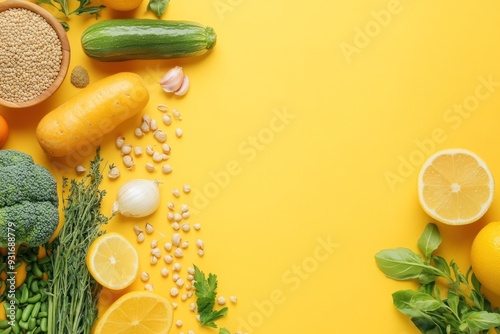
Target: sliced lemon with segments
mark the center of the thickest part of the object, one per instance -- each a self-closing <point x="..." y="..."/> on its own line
<point x="455" y="187"/>
<point x="137" y="312"/>
<point x="113" y="261"/>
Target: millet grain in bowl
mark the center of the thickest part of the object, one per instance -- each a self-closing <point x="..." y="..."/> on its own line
<point x="30" y="55"/>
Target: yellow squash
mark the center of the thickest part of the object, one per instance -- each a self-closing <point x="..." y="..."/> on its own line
<point x="82" y="121"/>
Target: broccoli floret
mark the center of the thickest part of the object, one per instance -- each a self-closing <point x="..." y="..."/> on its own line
<point x="28" y="222"/>
<point x="27" y="182"/>
<point x="13" y="157"/>
<point x="28" y="200"/>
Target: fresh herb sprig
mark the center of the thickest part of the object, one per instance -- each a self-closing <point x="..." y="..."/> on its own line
<point x="84" y="7"/>
<point x="72" y="307"/>
<point x="462" y="309"/>
<point x="158" y="7"/>
<point x="206" y="292"/>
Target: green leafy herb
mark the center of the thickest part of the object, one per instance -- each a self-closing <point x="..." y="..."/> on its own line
<point x="158" y="6"/>
<point x="206" y="292"/>
<point x="84" y="7"/>
<point x="72" y="306"/>
<point x="224" y="331"/>
<point x="462" y="309"/>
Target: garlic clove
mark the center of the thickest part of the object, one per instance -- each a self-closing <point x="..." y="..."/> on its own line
<point x="184" y="87"/>
<point x="172" y="80"/>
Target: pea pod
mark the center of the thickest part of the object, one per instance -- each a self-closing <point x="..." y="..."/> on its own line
<point x="31" y="324"/>
<point x="35" y="298"/>
<point x="36" y="310"/>
<point x="36" y="270"/>
<point x="44" y="324"/>
<point x="4" y="324"/>
<point x="27" y="312"/>
<point x="24" y="294"/>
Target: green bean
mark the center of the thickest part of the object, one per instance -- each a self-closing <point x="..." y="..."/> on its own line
<point x="19" y="314"/>
<point x="35" y="298"/>
<point x="44" y="260"/>
<point x="27" y="312"/>
<point x="4" y="324"/>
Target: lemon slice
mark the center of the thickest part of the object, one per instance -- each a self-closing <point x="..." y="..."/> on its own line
<point x="455" y="187"/>
<point x="137" y="312"/>
<point x="113" y="261"/>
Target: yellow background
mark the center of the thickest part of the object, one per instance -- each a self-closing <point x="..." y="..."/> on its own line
<point x="304" y="130"/>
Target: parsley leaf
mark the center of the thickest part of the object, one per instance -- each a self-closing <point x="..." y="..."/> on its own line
<point x="206" y="292"/>
<point x="224" y="331"/>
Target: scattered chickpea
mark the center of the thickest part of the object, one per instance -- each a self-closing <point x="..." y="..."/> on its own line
<point x="176" y="266"/>
<point x="150" y="167"/>
<point x="233" y="299"/>
<point x="126" y="149"/>
<point x="140" y="237"/>
<point x="119" y="141"/>
<point x="166" y="169"/>
<point x="197" y="226"/>
<point x="167" y="120"/>
<point x="144" y="276"/>
<point x="80" y="169"/>
<point x="171" y="205"/>
<point x="186" y="227"/>
<point x="178" y="253"/>
<point x="167" y="246"/>
<point x="186" y="188"/>
<point x="178" y="132"/>
<point x="168" y="259"/>
<point x="149" y="228"/>
<point x="162" y="107"/>
<point x="148" y="287"/>
<point x="174" y="292"/>
<point x="221" y="300"/>
<point x="179" y="323"/>
<point x="164" y="272"/>
<point x="176" y="192"/>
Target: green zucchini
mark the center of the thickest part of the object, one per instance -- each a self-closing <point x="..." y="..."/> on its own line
<point x="130" y="39"/>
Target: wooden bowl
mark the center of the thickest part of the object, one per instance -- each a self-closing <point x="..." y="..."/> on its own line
<point x="61" y="33"/>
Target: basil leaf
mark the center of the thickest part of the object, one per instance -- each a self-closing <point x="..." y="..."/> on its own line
<point x="453" y="300"/>
<point x="475" y="283"/>
<point x="427" y="277"/>
<point x="481" y="320"/>
<point x="427" y="326"/>
<point x="158" y="6"/>
<point x="441" y="264"/>
<point x="399" y="263"/>
<point x="402" y="301"/>
<point x="430" y="240"/>
<point x="424" y="302"/>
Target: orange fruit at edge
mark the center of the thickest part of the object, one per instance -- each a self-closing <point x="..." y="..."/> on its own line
<point x="4" y="131"/>
<point x="455" y="187"/>
<point x="137" y="312"/>
<point x="122" y="5"/>
<point x="113" y="261"/>
<point x="485" y="257"/>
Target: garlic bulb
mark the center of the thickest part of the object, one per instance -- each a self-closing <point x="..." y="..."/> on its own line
<point x="172" y="80"/>
<point x="137" y="198"/>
